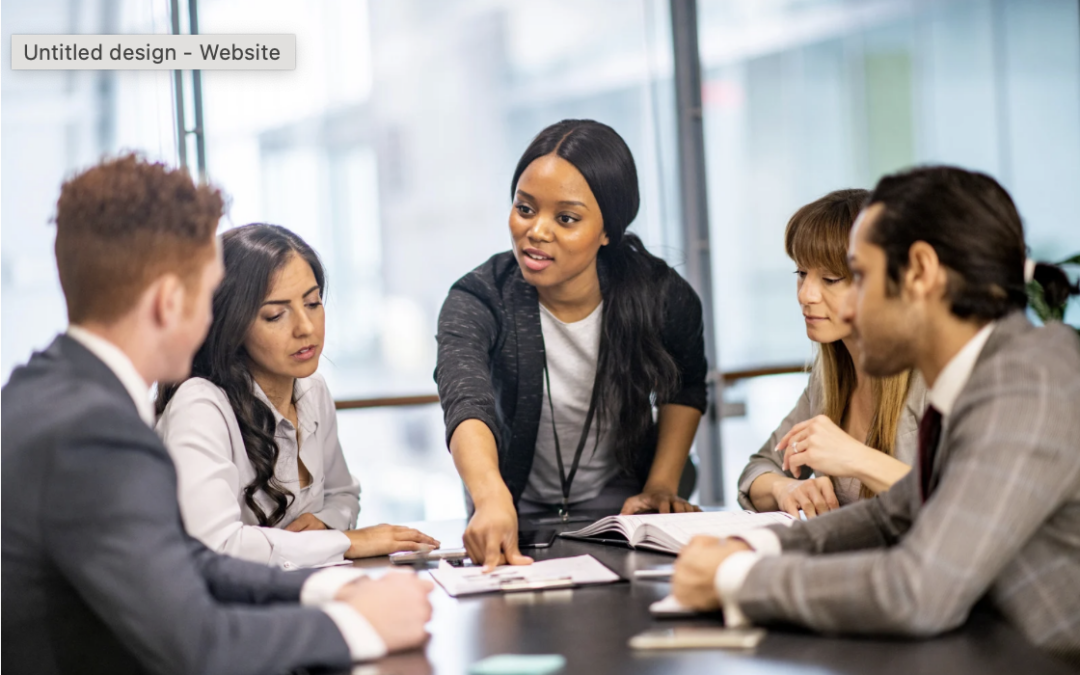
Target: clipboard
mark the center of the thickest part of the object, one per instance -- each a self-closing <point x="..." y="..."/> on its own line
<point x="582" y="570"/>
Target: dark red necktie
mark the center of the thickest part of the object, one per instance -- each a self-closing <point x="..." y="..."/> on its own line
<point x="929" y="435"/>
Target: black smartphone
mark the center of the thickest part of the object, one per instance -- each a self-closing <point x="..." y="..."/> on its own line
<point x="536" y="538"/>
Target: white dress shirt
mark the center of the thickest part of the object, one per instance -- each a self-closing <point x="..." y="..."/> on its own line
<point x="733" y="571"/>
<point x="202" y="434"/>
<point x="121" y="366"/>
<point x="320" y="588"/>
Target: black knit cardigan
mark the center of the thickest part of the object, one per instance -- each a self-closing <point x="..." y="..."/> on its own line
<point x="491" y="360"/>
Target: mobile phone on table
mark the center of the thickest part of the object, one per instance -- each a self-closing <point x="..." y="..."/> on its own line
<point x="408" y="557"/>
<point x="536" y="538"/>
<point x="698" y="637"/>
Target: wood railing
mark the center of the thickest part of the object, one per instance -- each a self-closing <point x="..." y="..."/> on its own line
<point x="729" y="377"/>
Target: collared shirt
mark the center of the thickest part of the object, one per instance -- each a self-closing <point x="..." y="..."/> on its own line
<point x="201" y="431"/>
<point x="320" y="588"/>
<point x="732" y="573"/>
<point x="954" y="376"/>
<point x="121" y="366"/>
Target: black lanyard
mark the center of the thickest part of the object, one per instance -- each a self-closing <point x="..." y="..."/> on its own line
<point x="567" y="481"/>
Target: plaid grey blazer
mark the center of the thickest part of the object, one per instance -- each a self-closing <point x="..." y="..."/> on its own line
<point x="1003" y="521"/>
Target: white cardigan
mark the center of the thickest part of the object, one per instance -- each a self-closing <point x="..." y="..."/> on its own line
<point x="200" y="430"/>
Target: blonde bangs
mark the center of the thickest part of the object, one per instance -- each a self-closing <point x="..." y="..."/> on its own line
<point x="817" y="235"/>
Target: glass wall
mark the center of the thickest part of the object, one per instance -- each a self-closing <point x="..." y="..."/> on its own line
<point x="54" y="123"/>
<point x="806" y="96"/>
<point x="390" y="149"/>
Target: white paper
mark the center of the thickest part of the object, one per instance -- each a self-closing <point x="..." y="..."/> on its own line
<point x="578" y="570"/>
<point x="333" y="563"/>
<point x="669" y="606"/>
<point x="669" y="532"/>
<point x="685" y="526"/>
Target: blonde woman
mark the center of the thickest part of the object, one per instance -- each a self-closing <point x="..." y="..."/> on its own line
<point x="850" y="435"/>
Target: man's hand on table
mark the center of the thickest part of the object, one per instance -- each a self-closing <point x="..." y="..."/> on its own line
<point x="396" y="605"/>
<point x="694" y="581"/>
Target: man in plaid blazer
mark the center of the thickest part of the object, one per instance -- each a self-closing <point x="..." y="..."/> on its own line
<point x="992" y="507"/>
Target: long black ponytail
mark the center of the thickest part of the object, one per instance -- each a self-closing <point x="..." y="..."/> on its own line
<point x="635" y="370"/>
<point x="253" y="255"/>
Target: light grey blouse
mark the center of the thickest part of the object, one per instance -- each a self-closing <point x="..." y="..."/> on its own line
<point x="203" y="436"/>
<point x="810" y="405"/>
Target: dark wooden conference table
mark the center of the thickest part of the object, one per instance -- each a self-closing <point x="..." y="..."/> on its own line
<point x="590" y="627"/>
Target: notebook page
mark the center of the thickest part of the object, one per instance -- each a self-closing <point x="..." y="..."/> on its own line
<point x="619" y="524"/>
<point x="682" y="527"/>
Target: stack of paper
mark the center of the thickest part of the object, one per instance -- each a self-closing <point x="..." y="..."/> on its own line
<point x="558" y="573"/>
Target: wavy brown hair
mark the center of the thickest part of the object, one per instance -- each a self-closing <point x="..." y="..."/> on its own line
<point x="253" y="255"/>
<point x="817" y="236"/>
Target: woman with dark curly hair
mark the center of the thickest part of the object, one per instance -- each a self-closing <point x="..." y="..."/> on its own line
<point x="253" y="431"/>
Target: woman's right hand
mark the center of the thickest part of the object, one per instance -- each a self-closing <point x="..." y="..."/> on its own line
<point x="813" y="495"/>
<point x="385" y="539"/>
<point x="491" y="537"/>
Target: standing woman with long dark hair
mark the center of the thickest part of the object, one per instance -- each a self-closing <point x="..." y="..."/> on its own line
<point x="253" y="431"/>
<point x="554" y="355"/>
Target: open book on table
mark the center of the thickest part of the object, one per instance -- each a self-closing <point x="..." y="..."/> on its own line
<point x="669" y="532"/>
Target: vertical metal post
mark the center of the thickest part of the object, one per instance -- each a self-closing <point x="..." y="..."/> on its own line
<point x="196" y="91"/>
<point x="998" y="26"/>
<point x="178" y="93"/>
<point x="695" y="216"/>
<point x="182" y="132"/>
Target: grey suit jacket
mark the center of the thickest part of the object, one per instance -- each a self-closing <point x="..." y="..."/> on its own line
<point x="810" y="405"/>
<point x="98" y="573"/>
<point x="1003" y="520"/>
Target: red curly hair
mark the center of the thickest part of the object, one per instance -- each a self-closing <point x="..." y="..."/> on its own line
<point x="124" y="223"/>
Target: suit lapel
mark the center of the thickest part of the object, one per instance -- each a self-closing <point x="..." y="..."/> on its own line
<point x="86" y="365"/>
<point x="1007" y="328"/>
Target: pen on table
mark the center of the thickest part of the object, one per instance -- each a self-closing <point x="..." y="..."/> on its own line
<point x="659" y="573"/>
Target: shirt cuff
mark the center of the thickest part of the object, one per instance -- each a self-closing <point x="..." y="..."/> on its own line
<point x="321" y="587"/>
<point x="762" y="540"/>
<point x="296" y="550"/>
<point x="729" y="579"/>
<point x="364" y="643"/>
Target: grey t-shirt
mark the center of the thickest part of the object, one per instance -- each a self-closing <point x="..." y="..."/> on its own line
<point x="572" y="351"/>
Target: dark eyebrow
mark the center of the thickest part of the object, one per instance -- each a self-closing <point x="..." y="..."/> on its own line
<point x="565" y="202"/>
<point x="285" y="302"/>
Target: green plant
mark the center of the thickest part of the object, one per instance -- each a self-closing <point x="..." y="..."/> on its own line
<point x="1039" y="303"/>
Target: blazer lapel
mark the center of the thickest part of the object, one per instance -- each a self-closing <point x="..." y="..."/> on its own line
<point x="1007" y="328"/>
<point x="85" y="364"/>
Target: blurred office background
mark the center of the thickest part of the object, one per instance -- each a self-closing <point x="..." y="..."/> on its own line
<point x="391" y="146"/>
